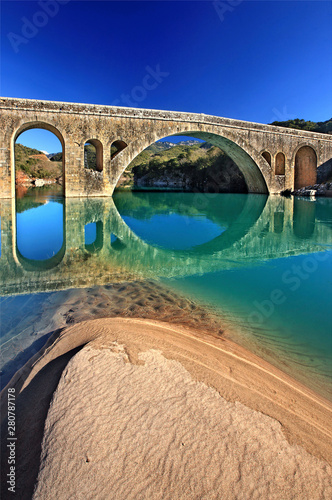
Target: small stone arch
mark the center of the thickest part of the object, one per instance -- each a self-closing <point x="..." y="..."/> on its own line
<point x="116" y="148"/>
<point x="98" y="161"/>
<point x="280" y="164"/>
<point x="305" y="167"/>
<point x="267" y="156"/>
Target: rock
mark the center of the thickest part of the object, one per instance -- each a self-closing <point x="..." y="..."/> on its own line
<point x="39" y="182"/>
<point x="324" y="189"/>
<point x="22" y="179"/>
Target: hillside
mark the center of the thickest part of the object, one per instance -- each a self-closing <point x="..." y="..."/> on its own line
<point x="33" y="164"/>
<point x="187" y="166"/>
<point x="322" y="127"/>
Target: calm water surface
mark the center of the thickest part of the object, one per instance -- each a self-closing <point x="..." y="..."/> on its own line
<point x="263" y="263"/>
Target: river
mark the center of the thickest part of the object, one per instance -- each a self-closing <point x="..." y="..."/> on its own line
<point x="261" y="264"/>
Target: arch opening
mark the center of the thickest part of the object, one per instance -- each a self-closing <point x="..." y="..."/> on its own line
<point x="305" y="167"/>
<point x="267" y="156"/>
<point x="117" y="147"/>
<point x="116" y="243"/>
<point x="280" y="164"/>
<point x="40" y="231"/>
<point x="93" y="155"/>
<point x="94" y="236"/>
<point x="251" y="167"/>
<point x="38" y="158"/>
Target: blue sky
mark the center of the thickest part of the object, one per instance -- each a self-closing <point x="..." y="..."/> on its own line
<point x="258" y="61"/>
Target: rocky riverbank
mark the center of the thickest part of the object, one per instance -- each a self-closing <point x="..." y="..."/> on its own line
<point x="24" y="183"/>
<point x="323" y="189"/>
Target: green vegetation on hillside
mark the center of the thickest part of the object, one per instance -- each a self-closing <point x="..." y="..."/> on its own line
<point x="322" y="127"/>
<point x="202" y="166"/>
<point x="56" y="157"/>
<point x="35" y="164"/>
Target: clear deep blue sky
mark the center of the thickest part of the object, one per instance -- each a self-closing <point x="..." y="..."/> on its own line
<point x="261" y="61"/>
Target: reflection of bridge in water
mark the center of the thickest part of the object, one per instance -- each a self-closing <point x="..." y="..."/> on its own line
<point x="260" y="229"/>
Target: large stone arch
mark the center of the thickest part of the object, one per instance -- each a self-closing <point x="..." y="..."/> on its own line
<point x="254" y="167"/>
<point x="23" y="127"/>
<point x="305" y="166"/>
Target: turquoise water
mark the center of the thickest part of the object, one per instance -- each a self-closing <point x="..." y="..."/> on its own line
<point x="296" y="322"/>
<point x="280" y="305"/>
<point x="264" y="264"/>
<point x="160" y="230"/>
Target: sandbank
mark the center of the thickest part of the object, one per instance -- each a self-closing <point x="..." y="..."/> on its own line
<point x="136" y="408"/>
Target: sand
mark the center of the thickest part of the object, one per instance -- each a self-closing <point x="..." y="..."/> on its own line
<point x="36" y="317"/>
<point x="132" y="408"/>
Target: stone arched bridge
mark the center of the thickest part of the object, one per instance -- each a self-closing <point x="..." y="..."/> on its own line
<point x="271" y="158"/>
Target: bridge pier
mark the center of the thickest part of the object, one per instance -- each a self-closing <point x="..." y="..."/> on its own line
<point x="280" y="182"/>
<point x="7" y="227"/>
<point x="6" y="179"/>
<point x="80" y="181"/>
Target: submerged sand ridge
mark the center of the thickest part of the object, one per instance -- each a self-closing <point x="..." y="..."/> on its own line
<point x="37" y="319"/>
<point x="147" y="409"/>
<point x="137" y="299"/>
